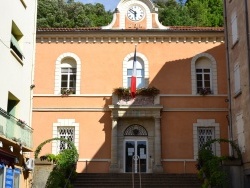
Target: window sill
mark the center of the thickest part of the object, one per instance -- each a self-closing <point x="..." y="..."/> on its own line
<point x="24" y="4"/>
<point x="237" y="94"/>
<point x="16" y="56"/>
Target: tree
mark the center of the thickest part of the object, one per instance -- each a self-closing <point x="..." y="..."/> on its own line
<point x="190" y="13"/>
<point x="61" y="13"/>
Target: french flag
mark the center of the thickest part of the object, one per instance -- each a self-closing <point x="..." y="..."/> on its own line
<point x="133" y="78"/>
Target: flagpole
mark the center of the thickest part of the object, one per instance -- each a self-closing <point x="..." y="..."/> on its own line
<point x="133" y="77"/>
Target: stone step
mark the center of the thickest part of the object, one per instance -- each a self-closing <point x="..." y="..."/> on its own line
<point x="106" y="180"/>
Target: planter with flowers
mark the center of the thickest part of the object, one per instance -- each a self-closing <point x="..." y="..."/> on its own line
<point x="205" y="91"/>
<point x="66" y="92"/>
<point x="143" y="96"/>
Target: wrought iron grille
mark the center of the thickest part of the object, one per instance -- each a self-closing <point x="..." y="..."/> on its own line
<point x="205" y="135"/>
<point x="66" y="133"/>
<point x="135" y="130"/>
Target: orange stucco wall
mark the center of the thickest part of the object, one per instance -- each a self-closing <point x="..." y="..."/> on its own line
<point x="101" y="71"/>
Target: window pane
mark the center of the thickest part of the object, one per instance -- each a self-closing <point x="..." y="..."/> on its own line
<point x="64" y="70"/>
<point x="207" y="70"/>
<point x="129" y="72"/>
<point x="207" y="84"/>
<point x="198" y="70"/>
<point x="199" y="84"/>
<point x="207" y="76"/>
<point x="64" y="77"/>
<point x="73" y="70"/>
<point x="140" y="72"/>
<point x="199" y="77"/>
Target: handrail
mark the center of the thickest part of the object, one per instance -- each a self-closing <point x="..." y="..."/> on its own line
<point x="136" y="158"/>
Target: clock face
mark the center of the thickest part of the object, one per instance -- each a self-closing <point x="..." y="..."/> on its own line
<point x="135" y="13"/>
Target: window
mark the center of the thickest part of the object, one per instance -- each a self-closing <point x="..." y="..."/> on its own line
<point x="142" y="73"/>
<point x="237" y="87"/>
<point x="204" y="74"/>
<point x="67" y="129"/>
<point x="204" y="135"/>
<point x="203" y="78"/>
<point x="68" y="78"/>
<point x="67" y="74"/>
<point x="15" y="41"/>
<point x="140" y="82"/>
<point x="67" y="133"/>
<point x="234" y="28"/>
<point x="203" y="131"/>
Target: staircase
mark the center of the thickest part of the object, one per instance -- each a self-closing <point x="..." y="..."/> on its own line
<point x="107" y="180"/>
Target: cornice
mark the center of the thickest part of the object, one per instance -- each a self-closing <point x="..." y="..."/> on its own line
<point x="147" y="36"/>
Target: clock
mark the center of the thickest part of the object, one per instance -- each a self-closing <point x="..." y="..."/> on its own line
<point x="135" y="13"/>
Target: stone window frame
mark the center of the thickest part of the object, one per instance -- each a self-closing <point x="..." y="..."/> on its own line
<point x="57" y="89"/>
<point x="214" y="84"/>
<point x="202" y="123"/>
<point x="64" y="123"/>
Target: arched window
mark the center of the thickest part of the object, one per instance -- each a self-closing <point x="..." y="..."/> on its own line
<point x="204" y="74"/>
<point x="142" y="72"/>
<point x="67" y="74"/>
<point x="135" y="130"/>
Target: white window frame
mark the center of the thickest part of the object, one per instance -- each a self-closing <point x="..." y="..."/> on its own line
<point x="69" y="67"/>
<point x="203" y="74"/>
<point x="213" y="72"/>
<point x="57" y="88"/>
<point x="64" y="123"/>
<point x="206" y="123"/>
<point x="143" y="60"/>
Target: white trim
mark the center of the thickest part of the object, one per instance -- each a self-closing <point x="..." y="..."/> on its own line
<point x="68" y="123"/>
<point x="146" y="65"/>
<point x="214" y="85"/>
<point x="57" y="89"/>
<point x="206" y="123"/>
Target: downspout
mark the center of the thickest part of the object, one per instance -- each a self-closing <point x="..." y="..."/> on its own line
<point x="229" y="100"/>
<point x="248" y="42"/>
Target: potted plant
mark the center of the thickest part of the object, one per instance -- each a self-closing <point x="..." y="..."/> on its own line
<point x="205" y="91"/>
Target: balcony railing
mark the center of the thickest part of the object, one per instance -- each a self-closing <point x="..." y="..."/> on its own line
<point x="15" y="129"/>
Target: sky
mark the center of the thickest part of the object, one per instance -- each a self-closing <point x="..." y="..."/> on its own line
<point x="109" y="4"/>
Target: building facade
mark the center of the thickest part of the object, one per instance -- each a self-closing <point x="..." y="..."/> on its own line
<point x="78" y="69"/>
<point x="17" y="46"/>
<point x="238" y="59"/>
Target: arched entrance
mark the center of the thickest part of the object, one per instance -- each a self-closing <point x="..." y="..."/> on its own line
<point x="136" y="149"/>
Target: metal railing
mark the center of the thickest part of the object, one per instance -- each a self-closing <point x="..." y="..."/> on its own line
<point x="15" y="129"/>
<point x="135" y="169"/>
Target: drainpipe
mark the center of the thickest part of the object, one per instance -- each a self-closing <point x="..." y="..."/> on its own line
<point x="248" y="42"/>
<point x="229" y="117"/>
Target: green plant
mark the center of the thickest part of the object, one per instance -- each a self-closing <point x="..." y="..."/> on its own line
<point x="125" y="92"/>
<point x="210" y="166"/>
<point x="65" y="164"/>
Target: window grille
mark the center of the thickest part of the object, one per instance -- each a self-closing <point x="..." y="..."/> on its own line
<point x="135" y="130"/>
<point x="66" y="133"/>
<point x="205" y="135"/>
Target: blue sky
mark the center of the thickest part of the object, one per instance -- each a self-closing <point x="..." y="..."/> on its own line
<point x="109" y="4"/>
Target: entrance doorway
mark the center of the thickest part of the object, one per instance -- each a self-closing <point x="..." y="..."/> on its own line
<point x="136" y="156"/>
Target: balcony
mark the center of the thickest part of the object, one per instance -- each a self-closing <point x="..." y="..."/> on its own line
<point x="15" y="130"/>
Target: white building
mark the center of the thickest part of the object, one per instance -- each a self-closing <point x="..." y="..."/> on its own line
<point x="17" y="57"/>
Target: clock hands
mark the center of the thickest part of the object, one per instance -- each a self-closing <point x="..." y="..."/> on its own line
<point x="134" y="12"/>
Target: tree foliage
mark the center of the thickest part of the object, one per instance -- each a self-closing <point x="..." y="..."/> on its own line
<point x="191" y="13"/>
<point x="69" y="14"/>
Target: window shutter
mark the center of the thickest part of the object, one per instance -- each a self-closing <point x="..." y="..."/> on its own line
<point x="237" y="87"/>
<point x="234" y="26"/>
